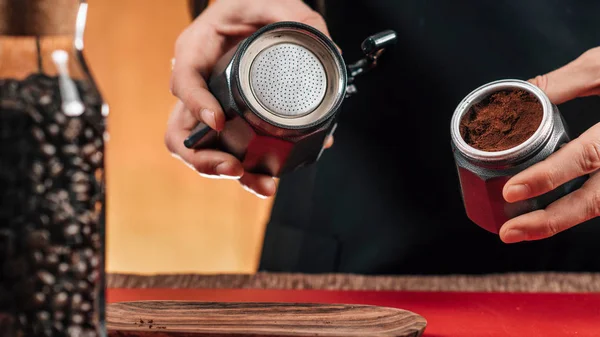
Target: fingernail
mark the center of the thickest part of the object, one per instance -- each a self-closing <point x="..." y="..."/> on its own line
<point x="209" y="118"/>
<point x="516" y="192"/>
<point x="225" y="171"/>
<point x="253" y="192"/>
<point x="270" y="184"/>
<point x="514" y="235"/>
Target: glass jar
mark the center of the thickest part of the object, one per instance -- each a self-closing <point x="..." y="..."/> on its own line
<point x="52" y="208"/>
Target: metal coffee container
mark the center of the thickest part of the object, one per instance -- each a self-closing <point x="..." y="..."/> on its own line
<point x="483" y="174"/>
<point x="281" y="90"/>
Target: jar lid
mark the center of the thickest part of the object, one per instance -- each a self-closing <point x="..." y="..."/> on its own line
<point x="38" y="17"/>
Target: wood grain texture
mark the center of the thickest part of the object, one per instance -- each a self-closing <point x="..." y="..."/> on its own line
<point x="162" y="217"/>
<point x="509" y="282"/>
<point x="175" y="318"/>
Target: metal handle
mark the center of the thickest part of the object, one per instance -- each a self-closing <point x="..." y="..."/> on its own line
<point x="372" y="47"/>
<point x="196" y="135"/>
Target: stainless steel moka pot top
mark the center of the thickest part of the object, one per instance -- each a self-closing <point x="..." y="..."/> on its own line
<point x="281" y="90"/>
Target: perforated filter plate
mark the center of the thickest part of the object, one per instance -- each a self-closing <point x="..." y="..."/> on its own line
<point x="288" y="79"/>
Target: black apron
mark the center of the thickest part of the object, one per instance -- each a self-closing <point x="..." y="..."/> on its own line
<point x="385" y="198"/>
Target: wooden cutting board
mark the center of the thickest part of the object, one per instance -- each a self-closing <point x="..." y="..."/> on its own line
<point x="211" y="319"/>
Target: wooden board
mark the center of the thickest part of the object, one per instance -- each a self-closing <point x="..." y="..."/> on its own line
<point x="187" y="318"/>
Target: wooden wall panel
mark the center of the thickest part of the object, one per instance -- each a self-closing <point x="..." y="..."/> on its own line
<point x="162" y="217"/>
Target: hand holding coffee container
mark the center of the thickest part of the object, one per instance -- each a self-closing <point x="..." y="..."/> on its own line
<point x="497" y="131"/>
<point x="281" y="90"/>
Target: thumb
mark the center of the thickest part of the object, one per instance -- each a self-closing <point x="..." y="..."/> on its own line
<point x="579" y="78"/>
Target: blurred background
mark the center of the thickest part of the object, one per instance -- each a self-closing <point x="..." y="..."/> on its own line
<point x="162" y="217"/>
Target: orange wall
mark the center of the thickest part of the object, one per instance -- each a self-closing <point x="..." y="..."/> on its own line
<point x="162" y="217"/>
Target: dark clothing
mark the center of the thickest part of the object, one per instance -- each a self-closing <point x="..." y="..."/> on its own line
<point x="385" y="199"/>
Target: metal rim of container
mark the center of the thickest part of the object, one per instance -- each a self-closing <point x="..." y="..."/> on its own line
<point x="539" y="137"/>
<point x="317" y="43"/>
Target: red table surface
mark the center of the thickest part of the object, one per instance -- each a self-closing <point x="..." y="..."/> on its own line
<point x="447" y="313"/>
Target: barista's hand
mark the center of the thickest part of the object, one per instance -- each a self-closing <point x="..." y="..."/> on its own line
<point x="579" y="157"/>
<point x="219" y="28"/>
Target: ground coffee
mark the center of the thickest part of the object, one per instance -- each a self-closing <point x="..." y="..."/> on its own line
<point x="502" y="121"/>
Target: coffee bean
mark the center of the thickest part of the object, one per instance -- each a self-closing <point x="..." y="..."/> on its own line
<point x="79" y="177"/>
<point x="44" y="219"/>
<point x="23" y="319"/>
<point x="77" y="161"/>
<point x="76" y="301"/>
<point x="96" y="241"/>
<point x="93" y="276"/>
<point x="60" y="217"/>
<point x="37" y="257"/>
<point x="47" y="332"/>
<point x="89" y="133"/>
<point x="58" y="325"/>
<point x="48" y="184"/>
<point x="59" y="315"/>
<point x="63" y="268"/>
<point x="96" y="159"/>
<point x="88" y="253"/>
<point x="75" y="331"/>
<point x="60" y="118"/>
<point x="88" y="150"/>
<point x="86" y="230"/>
<point x="86" y="306"/>
<point x="48" y="149"/>
<point x="43" y="316"/>
<point x="69" y="286"/>
<point x="80" y="269"/>
<point x="40" y="189"/>
<point x="77" y="318"/>
<point x="51" y="260"/>
<point x="98" y="143"/>
<point x="80" y="188"/>
<point x="82" y="197"/>
<point x="45" y="100"/>
<point x="38" y="134"/>
<point x="56" y="167"/>
<point x="53" y="129"/>
<point x="71" y="230"/>
<point x="60" y="300"/>
<point x="39" y="299"/>
<point x="62" y="195"/>
<point x="85" y="218"/>
<point x="59" y="250"/>
<point x="73" y="129"/>
<point x="70" y="149"/>
<point x="83" y="286"/>
<point x="46" y="277"/>
<point x="38" y="169"/>
<point x="94" y="261"/>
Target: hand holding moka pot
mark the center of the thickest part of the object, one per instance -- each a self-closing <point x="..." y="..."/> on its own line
<point x="281" y="90"/>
